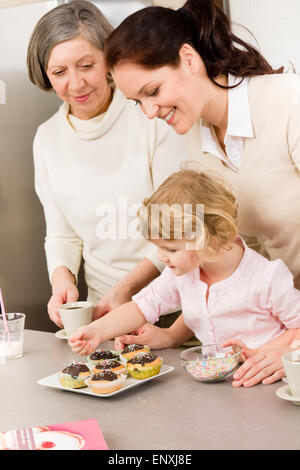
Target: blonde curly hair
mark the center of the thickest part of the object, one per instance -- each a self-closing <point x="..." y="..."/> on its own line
<point x="192" y="205"/>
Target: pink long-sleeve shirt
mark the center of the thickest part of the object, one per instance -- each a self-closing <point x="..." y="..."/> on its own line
<point x="256" y="304"/>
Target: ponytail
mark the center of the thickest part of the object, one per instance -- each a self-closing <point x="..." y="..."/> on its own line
<point x="152" y="38"/>
<point x="217" y="45"/>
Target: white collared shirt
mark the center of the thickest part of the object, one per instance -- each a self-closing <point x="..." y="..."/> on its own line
<point x="239" y="126"/>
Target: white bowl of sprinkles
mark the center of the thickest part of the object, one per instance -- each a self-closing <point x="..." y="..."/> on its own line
<point x="211" y="362"/>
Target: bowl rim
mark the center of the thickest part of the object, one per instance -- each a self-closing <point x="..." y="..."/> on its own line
<point x="205" y="345"/>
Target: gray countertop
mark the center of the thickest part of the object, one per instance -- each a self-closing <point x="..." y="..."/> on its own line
<point x="170" y="412"/>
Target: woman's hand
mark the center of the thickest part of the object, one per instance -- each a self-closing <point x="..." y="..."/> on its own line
<point x="117" y="295"/>
<point x="245" y="351"/>
<point x="263" y="366"/>
<point x="64" y="290"/>
<point x="150" y="335"/>
<point x="124" y="289"/>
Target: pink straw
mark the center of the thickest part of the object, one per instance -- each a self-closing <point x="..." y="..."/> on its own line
<point x="4" y="315"/>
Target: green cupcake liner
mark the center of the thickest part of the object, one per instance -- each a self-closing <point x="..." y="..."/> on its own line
<point x="70" y="382"/>
<point x="144" y="374"/>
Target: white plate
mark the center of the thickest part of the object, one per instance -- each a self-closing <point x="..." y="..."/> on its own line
<point x="285" y="393"/>
<point x="61" y="334"/>
<point x="130" y="382"/>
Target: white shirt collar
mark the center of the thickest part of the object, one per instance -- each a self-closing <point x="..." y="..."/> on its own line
<point x="239" y="117"/>
<point x="239" y="126"/>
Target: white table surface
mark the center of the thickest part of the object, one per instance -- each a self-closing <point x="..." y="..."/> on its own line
<point x="170" y="412"/>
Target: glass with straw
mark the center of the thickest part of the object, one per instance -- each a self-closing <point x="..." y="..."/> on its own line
<point x="11" y="333"/>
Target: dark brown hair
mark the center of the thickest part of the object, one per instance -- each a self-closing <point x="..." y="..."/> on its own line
<point x="153" y="36"/>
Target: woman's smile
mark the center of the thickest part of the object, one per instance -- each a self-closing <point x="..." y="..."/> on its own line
<point x="82" y="98"/>
<point x="77" y="72"/>
<point x="169" y="118"/>
<point x="161" y="93"/>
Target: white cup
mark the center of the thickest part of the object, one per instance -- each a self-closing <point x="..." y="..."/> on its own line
<point x="292" y="370"/>
<point x="75" y="314"/>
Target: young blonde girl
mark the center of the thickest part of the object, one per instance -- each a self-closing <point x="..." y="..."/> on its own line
<point x="225" y="289"/>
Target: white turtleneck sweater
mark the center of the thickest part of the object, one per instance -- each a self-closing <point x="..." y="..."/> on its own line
<point x="85" y="171"/>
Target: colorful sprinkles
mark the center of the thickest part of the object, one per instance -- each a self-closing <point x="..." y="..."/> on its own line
<point x="212" y="369"/>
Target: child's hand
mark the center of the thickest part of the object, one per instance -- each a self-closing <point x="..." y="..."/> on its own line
<point x="84" y="341"/>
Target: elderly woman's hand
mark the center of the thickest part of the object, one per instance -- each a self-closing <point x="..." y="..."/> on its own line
<point x="126" y="287"/>
<point x="67" y="294"/>
<point x="117" y="295"/>
<point x="263" y="366"/>
<point x="64" y="290"/>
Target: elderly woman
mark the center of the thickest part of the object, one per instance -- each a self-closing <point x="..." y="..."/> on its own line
<point x="240" y="117"/>
<point x="95" y="160"/>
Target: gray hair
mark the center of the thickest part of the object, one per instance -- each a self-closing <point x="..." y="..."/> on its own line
<point x="63" y="23"/>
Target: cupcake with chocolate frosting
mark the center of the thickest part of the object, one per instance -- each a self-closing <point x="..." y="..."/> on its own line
<point x="133" y="349"/>
<point x="110" y="364"/>
<point x="144" y="365"/>
<point x="102" y="355"/>
<point x="74" y="374"/>
<point x="105" y="382"/>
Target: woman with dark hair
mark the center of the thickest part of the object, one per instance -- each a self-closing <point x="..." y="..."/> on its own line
<point x="239" y="115"/>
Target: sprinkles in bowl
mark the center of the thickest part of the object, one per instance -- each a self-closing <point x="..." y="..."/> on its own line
<point x="211" y="363"/>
